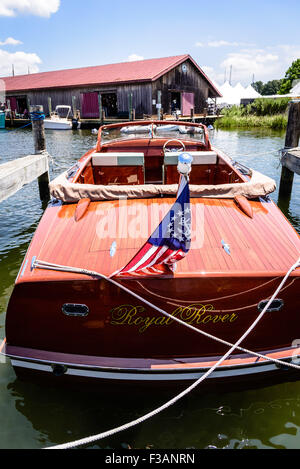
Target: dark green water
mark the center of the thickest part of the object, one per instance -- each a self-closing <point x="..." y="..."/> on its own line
<point x="37" y="416"/>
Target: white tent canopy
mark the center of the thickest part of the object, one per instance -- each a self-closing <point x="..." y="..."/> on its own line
<point x="251" y="93"/>
<point x="232" y="95"/>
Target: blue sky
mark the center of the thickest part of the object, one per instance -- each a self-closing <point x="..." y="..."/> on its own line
<point x="253" y="37"/>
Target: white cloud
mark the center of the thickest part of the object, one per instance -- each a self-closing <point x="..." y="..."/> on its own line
<point x="222" y="43"/>
<point x="10" y="41"/>
<point x="289" y="53"/>
<point x="43" y="8"/>
<point x="268" y="63"/>
<point x="245" y="64"/>
<point x="217" y="78"/>
<point x="134" y="57"/>
<point x="21" y="62"/>
<point x="207" y="69"/>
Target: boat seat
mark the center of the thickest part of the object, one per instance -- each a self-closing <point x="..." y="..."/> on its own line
<point x="203" y="166"/>
<point x="199" y="157"/>
<point x="106" y="167"/>
<point x="118" y="159"/>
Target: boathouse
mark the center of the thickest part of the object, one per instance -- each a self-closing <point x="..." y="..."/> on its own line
<point x="114" y="91"/>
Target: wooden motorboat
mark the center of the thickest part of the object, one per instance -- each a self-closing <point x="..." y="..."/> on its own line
<point x="97" y="298"/>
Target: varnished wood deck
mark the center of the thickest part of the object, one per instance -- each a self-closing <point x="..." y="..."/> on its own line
<point x="265" y="245"/>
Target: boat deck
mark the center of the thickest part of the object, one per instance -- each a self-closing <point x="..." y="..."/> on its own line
<point x="265" y="245"/>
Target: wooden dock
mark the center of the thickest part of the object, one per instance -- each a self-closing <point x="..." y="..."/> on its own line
<point x="17" y="173"/>
<point x="92" y="123"/>
<point x="198" y="118"/>
<point x="291" y="160"/>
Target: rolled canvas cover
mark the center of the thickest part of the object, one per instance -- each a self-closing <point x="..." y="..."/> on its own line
<point x="60" y="188"/>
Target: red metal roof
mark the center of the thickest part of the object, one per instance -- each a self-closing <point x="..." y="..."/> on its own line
<point x="124" y="72"/>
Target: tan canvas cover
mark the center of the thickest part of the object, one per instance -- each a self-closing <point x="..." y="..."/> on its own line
<point x="60" y="188"/>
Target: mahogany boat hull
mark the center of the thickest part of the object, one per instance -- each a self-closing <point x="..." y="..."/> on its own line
<point x="123" y="340"/>
<point x="73" y="326"/>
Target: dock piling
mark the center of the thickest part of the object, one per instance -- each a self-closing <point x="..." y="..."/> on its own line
<point x="74" y="107"/>
<point x="38" y="130"/>
<point x="49" y="106"/>
<point x="290" y="157"/>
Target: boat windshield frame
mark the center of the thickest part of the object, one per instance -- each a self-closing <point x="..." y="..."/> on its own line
<point x="62" y="106"/>
<point x="151" y="135"/>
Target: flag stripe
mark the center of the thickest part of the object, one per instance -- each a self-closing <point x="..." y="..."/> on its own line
<point x="153" y="259"/>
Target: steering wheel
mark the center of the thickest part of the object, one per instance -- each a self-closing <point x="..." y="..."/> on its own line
<point x="177" y="141"/>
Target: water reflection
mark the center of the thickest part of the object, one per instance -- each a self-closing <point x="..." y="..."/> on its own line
<point x="265" y="418"/>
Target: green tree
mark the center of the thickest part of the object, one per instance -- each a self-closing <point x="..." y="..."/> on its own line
<point x="271" y="87"/>
<point x="258" y="86"/>
<point x="293" y="73"/>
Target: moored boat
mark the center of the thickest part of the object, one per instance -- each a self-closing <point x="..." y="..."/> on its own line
<point x="154" y="257"/>
<point x="60" y="119"/>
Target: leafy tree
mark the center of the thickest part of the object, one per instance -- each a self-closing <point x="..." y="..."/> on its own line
<point x="271" y="87"/>
<point x="258" y="86"/>
<point x="293" y="73"/>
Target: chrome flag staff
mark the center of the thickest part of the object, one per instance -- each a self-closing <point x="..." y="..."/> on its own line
<point x="171" y="241"/>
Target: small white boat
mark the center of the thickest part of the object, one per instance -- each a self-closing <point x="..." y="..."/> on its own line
<point x="59" y="120"/>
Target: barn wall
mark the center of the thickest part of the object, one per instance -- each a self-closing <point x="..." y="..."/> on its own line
<point x="178" y="79"/>
<point x="141" y="98"/>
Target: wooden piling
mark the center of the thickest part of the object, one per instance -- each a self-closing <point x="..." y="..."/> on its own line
<point x="291" y="141"/>
<point x="158" y="105"/>
<point x="130" y="99"/>
<point x="74" y="107"/>
<point x="100" y="107"/>
<point x="38" y="129"/>
<point x="50" y="106"/>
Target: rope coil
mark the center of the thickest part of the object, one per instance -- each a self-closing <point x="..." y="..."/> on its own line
<point x="37" y="115"/>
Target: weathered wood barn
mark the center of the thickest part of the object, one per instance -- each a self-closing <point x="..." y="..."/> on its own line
<point x="172" y="84"/>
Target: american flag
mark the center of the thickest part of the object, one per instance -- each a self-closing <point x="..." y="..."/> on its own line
<point x="171" y="241"/>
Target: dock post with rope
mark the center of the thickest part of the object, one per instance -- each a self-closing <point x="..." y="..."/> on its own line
<point x="290" y="159"/>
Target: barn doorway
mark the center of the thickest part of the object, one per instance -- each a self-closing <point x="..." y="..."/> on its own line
<point x="22" y="104"/>
<point x="110" y="104"/>
<point x="175" y="102"/>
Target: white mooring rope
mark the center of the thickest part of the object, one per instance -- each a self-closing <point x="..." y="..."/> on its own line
<point x="87" y="440"/>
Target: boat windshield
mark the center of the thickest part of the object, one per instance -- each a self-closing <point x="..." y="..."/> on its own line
<point x="63" y="111"/>
<point x="169" y="131"/>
